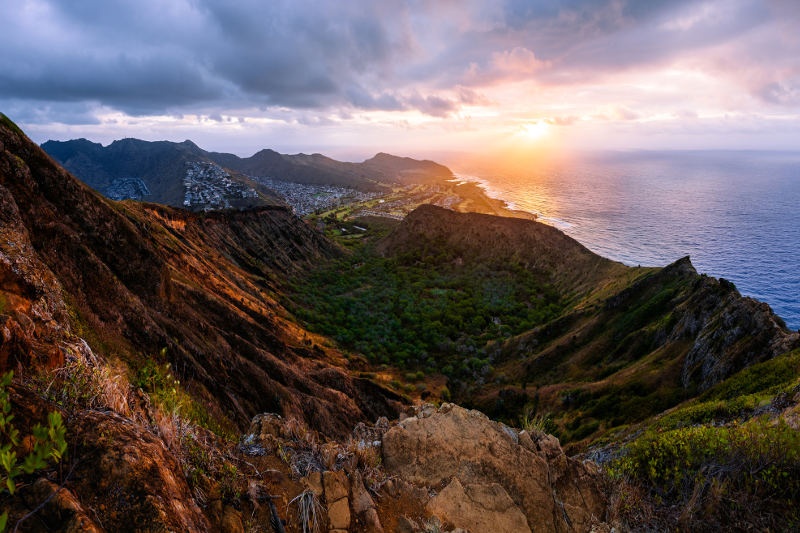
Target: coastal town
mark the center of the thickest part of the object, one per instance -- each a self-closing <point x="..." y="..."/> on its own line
<point x="310" y="200"/>
<point x="124" y="188"/>
<point x="208" y="186"/>
<point x="306" y="199"/>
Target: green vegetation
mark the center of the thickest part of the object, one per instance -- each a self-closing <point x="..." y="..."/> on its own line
<point x="727" y="457"/>
<point x="48" y="444"/>
<point x="740" y="396"/>
<point x="429" y="313"/>
<point x="532" y="422"/>
<point x="720" y="474"/>
<point x="5" y="121"/>
<point x="764" y="379"/>
<point x="166" y="392"/>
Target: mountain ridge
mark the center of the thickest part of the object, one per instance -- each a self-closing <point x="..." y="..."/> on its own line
<point x="160" y="334"/>
<point x="651" y="337"/>
<point x="159" y="170"/>
<point x="139" y="278"/>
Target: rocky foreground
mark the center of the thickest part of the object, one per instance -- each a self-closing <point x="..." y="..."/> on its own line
<point x="444" y="467"/>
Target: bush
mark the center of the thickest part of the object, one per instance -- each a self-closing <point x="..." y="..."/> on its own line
<point x="720" y="473"/>
<point x="421" y="315"/>
<point x="49" y="444"/>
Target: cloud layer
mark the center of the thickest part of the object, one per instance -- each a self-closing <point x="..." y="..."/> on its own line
<point x="307" y="61"/>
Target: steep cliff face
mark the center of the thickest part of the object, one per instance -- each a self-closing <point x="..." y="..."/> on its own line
<point x="138" y="281"/>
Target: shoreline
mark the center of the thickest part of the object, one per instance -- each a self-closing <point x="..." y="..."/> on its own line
<point x="476" y="199"/>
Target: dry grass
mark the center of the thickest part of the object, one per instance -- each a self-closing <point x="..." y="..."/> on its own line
<point x="86" y="382"/>
<point x="310" y="511"/>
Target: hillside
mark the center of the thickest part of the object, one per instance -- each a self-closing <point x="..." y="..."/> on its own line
<point x="177" y="174"/>
<point x="182" y="368"/>
<point x="604" y="344"/>
<point x="184" y="175"/>
<point x="141" y="280"/>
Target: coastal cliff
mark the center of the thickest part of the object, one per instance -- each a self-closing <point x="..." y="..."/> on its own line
<point x="193" y="398"/>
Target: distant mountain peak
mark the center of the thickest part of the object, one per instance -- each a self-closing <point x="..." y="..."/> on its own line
<point x="161" y="166"/>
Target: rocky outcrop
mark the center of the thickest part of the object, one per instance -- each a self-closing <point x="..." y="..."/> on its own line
<point x="730" y="333"/>
<point x="489" y="476"/>
<point x="446" y="465"/>
<point x="478" y="507"/>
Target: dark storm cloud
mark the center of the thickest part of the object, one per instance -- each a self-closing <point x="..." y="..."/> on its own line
<point x="145" y="56"/>
<point x="154" y="56"/>
<point x="70" y="113"/>
<point x="137" y="85"/>
<point x="297" y="55"/>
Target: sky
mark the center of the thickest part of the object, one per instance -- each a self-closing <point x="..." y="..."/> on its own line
<point x="350" y="78"/>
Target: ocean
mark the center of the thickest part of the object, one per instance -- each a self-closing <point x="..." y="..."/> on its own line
<point x="737" y="214"/>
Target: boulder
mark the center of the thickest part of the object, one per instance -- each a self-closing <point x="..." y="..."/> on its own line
<point x="482" y="464"/>
<point x="363" y="505"/>
<point x="479" y="507"/>
<point x="336" y="485"/>
<point x="339" y="514"/>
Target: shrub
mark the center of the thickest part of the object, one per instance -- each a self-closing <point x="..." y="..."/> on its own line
<point x="533" y="422"/>
<point x="49" y="444"/>
<point x="717" y="473"/>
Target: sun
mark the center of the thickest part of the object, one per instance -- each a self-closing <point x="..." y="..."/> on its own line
<point x="533" y="131"/>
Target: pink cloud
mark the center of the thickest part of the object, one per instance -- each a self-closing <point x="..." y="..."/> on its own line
<point x="519" y="60"/>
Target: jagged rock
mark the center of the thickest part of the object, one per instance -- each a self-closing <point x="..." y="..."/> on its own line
<point x="732" y="332"/>
<point x="361" y="500"/>
<point x="336" y="489"/>
<point x="313" y="482"/>
<point x="363" y="505"/>
<point x="555" y="494"/>
<point x="336" y="485"/>
<point x="539" y="441"/>
<point x="480" y="507"/>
